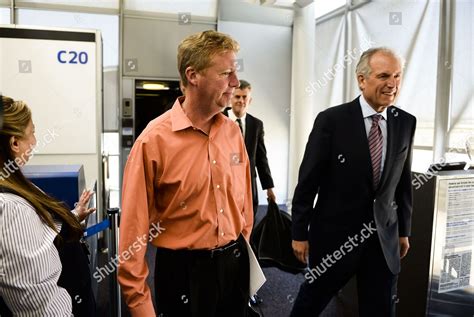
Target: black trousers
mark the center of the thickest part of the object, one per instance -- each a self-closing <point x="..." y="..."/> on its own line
<point x="199" y="283"/>
<point x="376" y="285"/>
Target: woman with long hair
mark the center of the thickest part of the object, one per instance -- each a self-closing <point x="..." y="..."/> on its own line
<point x="34" y="229"/>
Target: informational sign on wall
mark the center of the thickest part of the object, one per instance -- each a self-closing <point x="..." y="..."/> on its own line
<point x="456" y="271"/>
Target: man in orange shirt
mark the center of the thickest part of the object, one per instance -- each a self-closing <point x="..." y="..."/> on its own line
<point x="188" y="173"/>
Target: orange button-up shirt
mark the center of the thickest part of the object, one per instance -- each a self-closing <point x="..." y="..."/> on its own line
<point x="182" y="189"/>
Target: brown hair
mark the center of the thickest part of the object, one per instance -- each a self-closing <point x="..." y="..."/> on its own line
<point x="244" y="85"/>
<point x="16" y="117"/>
<point x="198" y="49"/>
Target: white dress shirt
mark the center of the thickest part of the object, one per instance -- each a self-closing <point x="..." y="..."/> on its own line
<point x="242" y="119"/>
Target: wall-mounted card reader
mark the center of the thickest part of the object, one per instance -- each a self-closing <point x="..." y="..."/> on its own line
<point x="127" y="110"/>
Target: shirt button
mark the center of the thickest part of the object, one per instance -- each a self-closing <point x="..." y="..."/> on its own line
<point x="218" y="186"/>
<point x="214" y="162"/>
<point x="221" y="210"/>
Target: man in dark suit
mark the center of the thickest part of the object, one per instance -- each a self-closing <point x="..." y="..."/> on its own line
<point x="253" y="133"/>
<point x="252" y="130"/>
<point x="358" y="162"/>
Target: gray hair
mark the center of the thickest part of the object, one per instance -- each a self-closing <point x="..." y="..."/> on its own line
<point x="363" y="66"/>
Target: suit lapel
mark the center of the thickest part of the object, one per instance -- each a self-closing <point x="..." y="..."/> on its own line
<point x="360" y="136"/>
<point x="249" y="130"/>
<point x="392" y="125"/>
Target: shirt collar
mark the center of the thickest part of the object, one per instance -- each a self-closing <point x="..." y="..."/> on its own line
<point x="180" y="121"/>
<point x="234" y="117"/>
<point x="368" y="111"/>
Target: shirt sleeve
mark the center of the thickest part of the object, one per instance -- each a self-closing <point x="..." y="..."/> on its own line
<point x="29" y="264"/>
<point x="134" y="227"/>
<point x="248" y="204"/>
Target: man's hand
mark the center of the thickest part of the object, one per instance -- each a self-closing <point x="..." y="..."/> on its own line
<point x="301" y="250"/>
<point x="404" y="246"/>
<point x="270" y="195"/>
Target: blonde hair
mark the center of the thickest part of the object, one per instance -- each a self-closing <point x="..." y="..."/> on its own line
<point x="198" y="49"/>
<point x="16" y="117"/>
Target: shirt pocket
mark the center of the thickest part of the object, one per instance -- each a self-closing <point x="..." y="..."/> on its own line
<point x="239" y="184"/>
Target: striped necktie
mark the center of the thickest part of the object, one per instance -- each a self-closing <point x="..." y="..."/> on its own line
<point x="239" y="122"/>
<point x="376" y="146"/>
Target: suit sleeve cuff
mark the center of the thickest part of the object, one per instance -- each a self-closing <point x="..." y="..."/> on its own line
<point x="300" y="235"/>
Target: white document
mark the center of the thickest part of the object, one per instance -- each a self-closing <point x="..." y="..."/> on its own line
<point x="257" y="278"/>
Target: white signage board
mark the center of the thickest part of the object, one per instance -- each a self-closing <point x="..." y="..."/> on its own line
<point x="58" y="73"/>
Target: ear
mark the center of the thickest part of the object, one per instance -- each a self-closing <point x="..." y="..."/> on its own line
<point x="191" y="75"/>
<point x="250" y="100"/>
<point x="14" y="144"/>
<point x="361" y="81"/>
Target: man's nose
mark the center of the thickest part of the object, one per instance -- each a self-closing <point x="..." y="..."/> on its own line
<point x="234" y="80"/>
<point x="392" y="82"/>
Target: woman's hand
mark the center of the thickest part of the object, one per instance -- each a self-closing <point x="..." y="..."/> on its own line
<point x="81" y="207"/>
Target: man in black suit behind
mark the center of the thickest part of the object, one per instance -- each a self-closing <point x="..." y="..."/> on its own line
<point x="252" y="130"/>
<point x="358" y="162"/>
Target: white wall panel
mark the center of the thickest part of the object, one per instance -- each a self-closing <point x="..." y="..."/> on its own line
<point x="151" y="45"/>
<point x="265" y="54"/>
<point x="207" y="8"/>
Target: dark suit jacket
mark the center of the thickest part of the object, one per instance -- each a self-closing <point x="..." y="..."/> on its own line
<point x="337" y="167"/>
<point x="255" y="145"/>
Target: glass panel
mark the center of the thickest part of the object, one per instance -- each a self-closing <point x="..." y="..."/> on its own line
<point x="107" y="4"/>
<point x="422" y="159"/>
<point x="107" y="24"/>
<point x="456" y="155"/>
<point x="4" y="16"/>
